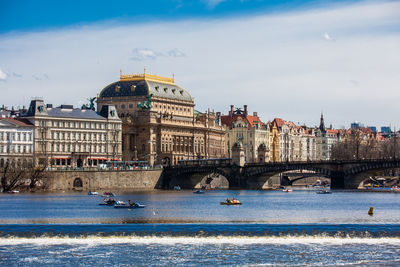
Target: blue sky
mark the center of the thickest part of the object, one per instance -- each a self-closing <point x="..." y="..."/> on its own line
<point x="27" y="15"/>
<point x="287" y="59"/>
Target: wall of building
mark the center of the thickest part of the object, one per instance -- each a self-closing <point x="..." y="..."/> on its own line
<point x="103" y="180"/>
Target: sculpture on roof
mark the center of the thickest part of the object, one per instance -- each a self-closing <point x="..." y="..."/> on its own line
<point x="90" y="105"/>
<point x="146" y="104"/>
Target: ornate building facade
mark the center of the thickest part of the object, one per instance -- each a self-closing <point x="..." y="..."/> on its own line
<point x="326" y="138"/>
<point x="290" y="142"/>
<point x="247" y="130"/>
<point x="72" y="137"/>
<point x="160" y="124"/>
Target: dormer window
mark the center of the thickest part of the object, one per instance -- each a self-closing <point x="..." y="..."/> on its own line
<point x="157" y="88"/>
<point x="117" y="87"/>
<point x="133" y="87"/>
<point x="173" y="90"/>
<point x="181" y="91"/>
<point x="166" y="89"/>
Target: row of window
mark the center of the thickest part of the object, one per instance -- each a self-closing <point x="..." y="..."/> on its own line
<point x="8" y="136"/>
<point x="156" y="106"/>
<point x="16" y="149"/>
<point x="78" y="125"/>
<point x="55" y="135"/>
<point x="78" y="148"/>
<point x="74" y="125"/>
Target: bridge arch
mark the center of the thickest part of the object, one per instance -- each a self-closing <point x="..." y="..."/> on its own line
<point x="189" y="178"/>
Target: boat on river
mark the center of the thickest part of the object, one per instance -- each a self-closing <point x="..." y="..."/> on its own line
<point x="109" y="194"/>
<point x="287" y="190"/>
<point x="93" y="193"/>
<point x="198" y="192"/>
<point x="324" y="191"/>
<point x="123" y="205"/>
<point x="108" y="202"/>
<point x="231" y="202"/>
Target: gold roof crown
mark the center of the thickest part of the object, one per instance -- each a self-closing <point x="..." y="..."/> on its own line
<point x="146" y="76"/>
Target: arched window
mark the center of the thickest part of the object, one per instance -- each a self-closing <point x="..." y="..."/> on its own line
<point x="77" y="182"/>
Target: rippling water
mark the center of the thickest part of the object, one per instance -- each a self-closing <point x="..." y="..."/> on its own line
<point x="270" y="228"/>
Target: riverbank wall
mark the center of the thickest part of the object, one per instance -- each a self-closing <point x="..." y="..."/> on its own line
<point x="97" y="180"/>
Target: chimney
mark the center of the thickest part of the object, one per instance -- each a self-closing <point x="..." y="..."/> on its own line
<point x="255" y="114"/>
<point x="231" y="112"/>
<point x="245" y="110"/>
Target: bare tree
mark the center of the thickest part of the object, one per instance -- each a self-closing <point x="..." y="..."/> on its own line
<point x="12" y="176"/>
<point x="360" y="145"/>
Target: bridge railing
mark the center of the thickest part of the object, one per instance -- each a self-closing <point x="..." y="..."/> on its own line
<point x="203" y="162"/>
<point x="325" y="162"/>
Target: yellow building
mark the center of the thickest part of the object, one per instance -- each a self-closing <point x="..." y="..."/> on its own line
<point x="274" y="140"/>
<point x="160" y="124"/>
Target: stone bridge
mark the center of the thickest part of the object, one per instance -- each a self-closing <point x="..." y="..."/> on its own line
<point x="343" y="174"/>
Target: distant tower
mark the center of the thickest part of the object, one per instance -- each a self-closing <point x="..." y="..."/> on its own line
<point x="322" y="124"/>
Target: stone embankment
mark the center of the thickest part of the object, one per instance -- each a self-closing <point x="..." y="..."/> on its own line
<point x="97" y="180"/>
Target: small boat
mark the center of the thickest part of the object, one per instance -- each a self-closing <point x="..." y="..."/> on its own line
<point x="287" y="190"/>
<point x="395" y="188"/>
<point x="123" y="205"/>
<point x="108" y="202"/>
<point x="198" y="192"/>
<point x="92" y="193"/>
<point x="231" y="202"/>
<point x="13" y="192"/>
<point x="109" y="194"/>
<point x="324" y="191"/>
<point x="177" y="187"/>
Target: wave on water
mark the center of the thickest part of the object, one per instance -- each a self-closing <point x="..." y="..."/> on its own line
<point x="168" y="240"/>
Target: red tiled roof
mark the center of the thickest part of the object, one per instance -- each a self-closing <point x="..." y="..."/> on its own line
<point x="279" y="122"/>
<point x="18" y="122"/>
<point x="252" y="121"/>
<point x="332" y="131"/>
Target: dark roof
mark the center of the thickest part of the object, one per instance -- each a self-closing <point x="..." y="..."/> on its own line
<point x="144" y="88"/>
<point x="74" y="113"/>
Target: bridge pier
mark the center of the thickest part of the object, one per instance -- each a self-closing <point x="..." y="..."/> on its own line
<point x="337" y="180"/>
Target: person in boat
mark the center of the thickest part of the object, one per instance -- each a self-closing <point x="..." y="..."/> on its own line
<point x="227" y="200"/>
<point x="131" y="203"/>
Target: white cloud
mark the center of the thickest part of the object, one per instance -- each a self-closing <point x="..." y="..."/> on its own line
<point x="279" y="65"/>
<point x="140" y="54"/>
<point x="176" y="53"/>
<point x="3" y="75"/>
<point x="328" y="37"/>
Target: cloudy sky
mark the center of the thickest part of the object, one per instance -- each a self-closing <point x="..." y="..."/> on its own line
<point x="288" y="59"/>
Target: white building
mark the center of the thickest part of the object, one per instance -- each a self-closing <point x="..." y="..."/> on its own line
<point x="72" y="137"/>
<point x="16" y="141"/>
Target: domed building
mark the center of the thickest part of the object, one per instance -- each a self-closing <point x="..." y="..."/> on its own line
<point x="160" y="124"/>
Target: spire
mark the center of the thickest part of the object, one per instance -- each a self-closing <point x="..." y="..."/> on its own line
<point x="322" y="124"/>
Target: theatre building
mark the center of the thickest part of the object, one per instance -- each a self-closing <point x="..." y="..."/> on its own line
<point x="160" y="123"/>
<point x="71" y="137"/>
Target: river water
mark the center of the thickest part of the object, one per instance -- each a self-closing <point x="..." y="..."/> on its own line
<point x="181" y="228"/>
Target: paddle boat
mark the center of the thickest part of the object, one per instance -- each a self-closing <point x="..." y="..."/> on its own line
<point x="324" y="191"/>
<point x="232" y="201"/>
<point x="109" y="194"/>
<point x="177" y="187"/>
<point x="92" y="193"/>
<point x="287" y="190"/>
<point x="13" y="192"/>
<point x="123" y="205"/>
<point x="108" y="202"/>
<point x="198" y="192"/>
